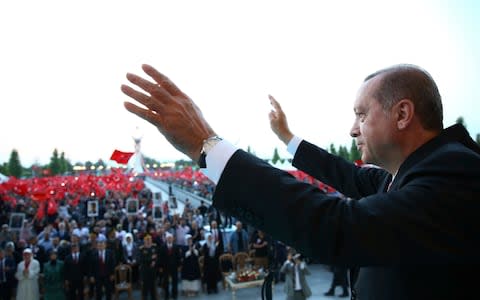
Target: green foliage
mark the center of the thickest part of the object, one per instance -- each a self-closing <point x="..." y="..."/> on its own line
<point x="354" y="153"/>
<point x="343" y="152"/>
<point x="55" y="166"/>
<point x="14" y="165"/>
<point x="4" y="168"/>
<point x="460" y="120"/>
<point x="276" y="156"/>
<point x="65" y="165"/>
<point x="332" y="149"/>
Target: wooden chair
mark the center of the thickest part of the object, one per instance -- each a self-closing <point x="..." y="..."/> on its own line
<point x="240" y="260"/>
<point x="226" y="266"/>
<point x="123" y="280"/>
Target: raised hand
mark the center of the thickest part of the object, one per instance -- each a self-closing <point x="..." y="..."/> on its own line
<point x="174" y="114"/>
<point x="278" y="121"/>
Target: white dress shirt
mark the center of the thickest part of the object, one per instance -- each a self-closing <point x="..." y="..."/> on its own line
<point x="218" y="157"/>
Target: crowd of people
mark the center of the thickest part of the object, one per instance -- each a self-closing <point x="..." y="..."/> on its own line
<point x="68" y="254"/>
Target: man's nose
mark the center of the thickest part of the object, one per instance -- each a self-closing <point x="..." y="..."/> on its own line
<point x="354" y="131"/>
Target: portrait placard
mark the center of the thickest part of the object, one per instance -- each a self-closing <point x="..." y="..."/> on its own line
<point x="16" y="221"/>
<point x="157" y="212"/>
<point x="132" y="206"/>
<point x="92" y="208"/>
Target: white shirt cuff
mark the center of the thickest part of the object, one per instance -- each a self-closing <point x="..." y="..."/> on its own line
<point x="293" y="145"/>
<point x="217" y="159"/>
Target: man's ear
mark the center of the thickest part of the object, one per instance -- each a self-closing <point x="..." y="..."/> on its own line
<point x="405" y="112"/>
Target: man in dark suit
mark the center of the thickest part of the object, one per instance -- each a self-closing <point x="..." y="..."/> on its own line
<point x="170" y="262"/>
<point x="413" y="228"/>
<point x="7" y="271"/>
<point x="102" y="270"/>
<point x="74" y="270"/>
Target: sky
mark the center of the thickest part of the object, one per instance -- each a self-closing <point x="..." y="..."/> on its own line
<point x="62" y="64"/>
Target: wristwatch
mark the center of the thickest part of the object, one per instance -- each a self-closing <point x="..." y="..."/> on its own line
<point x="208" y="144"/>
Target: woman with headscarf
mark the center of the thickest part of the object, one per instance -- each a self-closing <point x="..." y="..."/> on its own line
<point x="211" y="269"/>
<point x="53" y="278"/>
<point x="191" y="269"/>
<point x="130" y="254"/>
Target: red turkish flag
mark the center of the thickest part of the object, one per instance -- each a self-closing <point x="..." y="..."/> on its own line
<point x="121" y="157"/>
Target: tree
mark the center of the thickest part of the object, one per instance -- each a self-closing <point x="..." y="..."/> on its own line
<point x="55" y="166"/>
<point x="276" y="156"/>
<point x="88" y="165"/>
<point x="14" y="165"/>
<point x="4" y="168"/>
<point x="461" y="121"/>
<point x="354" y="153"/>
<point x="343" y="152"/>
<point x="478" y="138"/>
<point x="65" y="165"/>
<point x="332" y="149"/>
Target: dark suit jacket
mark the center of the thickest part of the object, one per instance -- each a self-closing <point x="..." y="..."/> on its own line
<point x="170" y="261"/>
<point x="110" y="263"/>
<point x="418" y="241"/>
<point x="75" y="271"/>
<point x="10" y="274"/>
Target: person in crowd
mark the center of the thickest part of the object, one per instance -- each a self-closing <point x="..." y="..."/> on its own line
<point x="211" y="268"/>
<point x="339" y="279"/>
<point x="149" y="263"/>
<point x="128" y="224"/>
<point x="296" y="286"/>
<point x="46" y="242"/>
<point x="195" y="233"/>
<point x="203" y="208"/>
<point x="102" y="267"/>
<point x="238" y="240"/>
<point x="191" y="277"/>
<point x="7" y="272"/>
<point x="62" y="232"/>
<point x="130" y="255"/>
<point x="5" y="235"/>
<point x="75" y="270"/>
<point x="115" y="245"/>
<point x="63" y="249"/>
<point x="170" y="260"/>
<point x="398" y="127"/>
<point x="53" y="278"/>
<point x="38" y="251"/>
<point x="18" y="250"/>
<point x="261" y="246"/>
<point x="215" y="231"/>
<point x="26" y="232"/>
<point x="181" y="230"/>
<point x="27" y="276"/>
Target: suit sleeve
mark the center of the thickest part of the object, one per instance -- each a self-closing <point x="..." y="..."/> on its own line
<point x="380" y="229"/>
<point x="344" y="176"/>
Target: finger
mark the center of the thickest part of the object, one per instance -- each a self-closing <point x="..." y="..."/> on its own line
<point x="275" y="103"/>
<point x="163" y="80"/>
<point x="272" y="115"/>
<point x="153" y="89"/>
<point x="145" y="114"/>
<point x="142" y="98"/>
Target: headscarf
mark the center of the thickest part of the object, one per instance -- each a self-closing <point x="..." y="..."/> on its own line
<point x="210" y="245"/>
